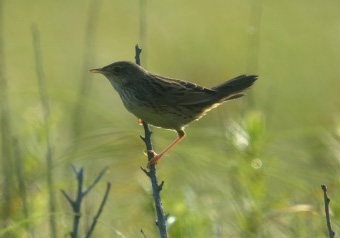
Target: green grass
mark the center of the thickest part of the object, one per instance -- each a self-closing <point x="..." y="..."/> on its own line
<point x="251" y="168"/>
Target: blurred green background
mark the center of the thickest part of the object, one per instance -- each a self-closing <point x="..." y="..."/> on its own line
<point x="251" y="168"/>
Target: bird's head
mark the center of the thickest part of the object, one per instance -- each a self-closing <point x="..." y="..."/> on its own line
<point x="121" y="72"/>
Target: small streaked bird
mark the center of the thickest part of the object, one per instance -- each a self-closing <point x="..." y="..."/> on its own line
<point x="165" y="102"/>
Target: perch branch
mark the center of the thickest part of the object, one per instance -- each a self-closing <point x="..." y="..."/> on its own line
<point x="328" y="219"/>
<point x="156" y="188"/>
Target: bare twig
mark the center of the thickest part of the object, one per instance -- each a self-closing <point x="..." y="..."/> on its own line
<point x="145" y="171"/>
<point x="46" y="108"/>
<point x="328" y="219"/>
<point x="95" y="219"/>
<point x="156" y="188"/>
<point x="69" y="199"/>
<point x="137" y="58"/>
<point x="76" y="204"/>
<point x="141" y="230"/>
<point x="95" y="182"/>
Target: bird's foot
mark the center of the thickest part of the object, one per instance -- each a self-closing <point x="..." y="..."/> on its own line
<point x="139" y="121"/>
<point x="145" y="152"/>
<point x="154" y="160"/>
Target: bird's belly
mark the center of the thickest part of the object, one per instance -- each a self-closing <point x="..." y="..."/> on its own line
<point x="160" y="117"/>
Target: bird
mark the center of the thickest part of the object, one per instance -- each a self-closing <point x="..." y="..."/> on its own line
<point x="167" y="102"/>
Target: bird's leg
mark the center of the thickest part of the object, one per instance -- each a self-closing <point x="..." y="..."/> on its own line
<point x="140" y="122"/>
<point x="155" y="159"/>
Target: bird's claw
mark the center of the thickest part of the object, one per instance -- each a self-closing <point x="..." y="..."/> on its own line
<point x="154" y="160"/>
<point x="145" y="152"/>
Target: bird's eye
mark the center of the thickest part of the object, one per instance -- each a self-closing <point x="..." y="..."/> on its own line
<point x="117" y="69"/>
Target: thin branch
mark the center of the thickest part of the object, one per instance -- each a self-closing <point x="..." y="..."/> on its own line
<point x="138" y="53"/>
<point x="156" y="188"/>
<point x="94" y="182"/>
<point x="141" y="230"/>
<point x="145" y="171"/>
<point x="46" y="108"/>
<point x="328" y="219"/>
<point x="68" y="198"/>
<point x="74" y="168"/>
<point x="95" y="219"/>
<point x="76" y="204"/>
<point x="160" y="187"/>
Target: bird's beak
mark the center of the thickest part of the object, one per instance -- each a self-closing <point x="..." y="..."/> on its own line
<point x="96" y="71"/>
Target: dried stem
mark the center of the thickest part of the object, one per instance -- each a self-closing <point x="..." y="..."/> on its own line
<point x="328" y="219"/>
<point x="46" y="108"/>
<point x="156" y="188"/>
<point x="76" y="204"/>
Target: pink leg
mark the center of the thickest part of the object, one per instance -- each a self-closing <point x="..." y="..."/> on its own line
<point x="155" y="159"/>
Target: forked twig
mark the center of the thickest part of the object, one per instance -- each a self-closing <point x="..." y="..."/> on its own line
<point x="76" y="204"/>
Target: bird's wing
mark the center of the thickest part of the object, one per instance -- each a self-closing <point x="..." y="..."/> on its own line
<point x="177" y="92"/>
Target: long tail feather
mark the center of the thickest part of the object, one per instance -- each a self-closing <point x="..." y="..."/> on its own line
<point x="232" y="88"/>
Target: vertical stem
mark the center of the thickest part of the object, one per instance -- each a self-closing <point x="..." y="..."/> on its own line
<point x="328" y="219"/>
<point x="46" y="108"/>
<point x="156" y="188"/>
<point x="6" y="134"/>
